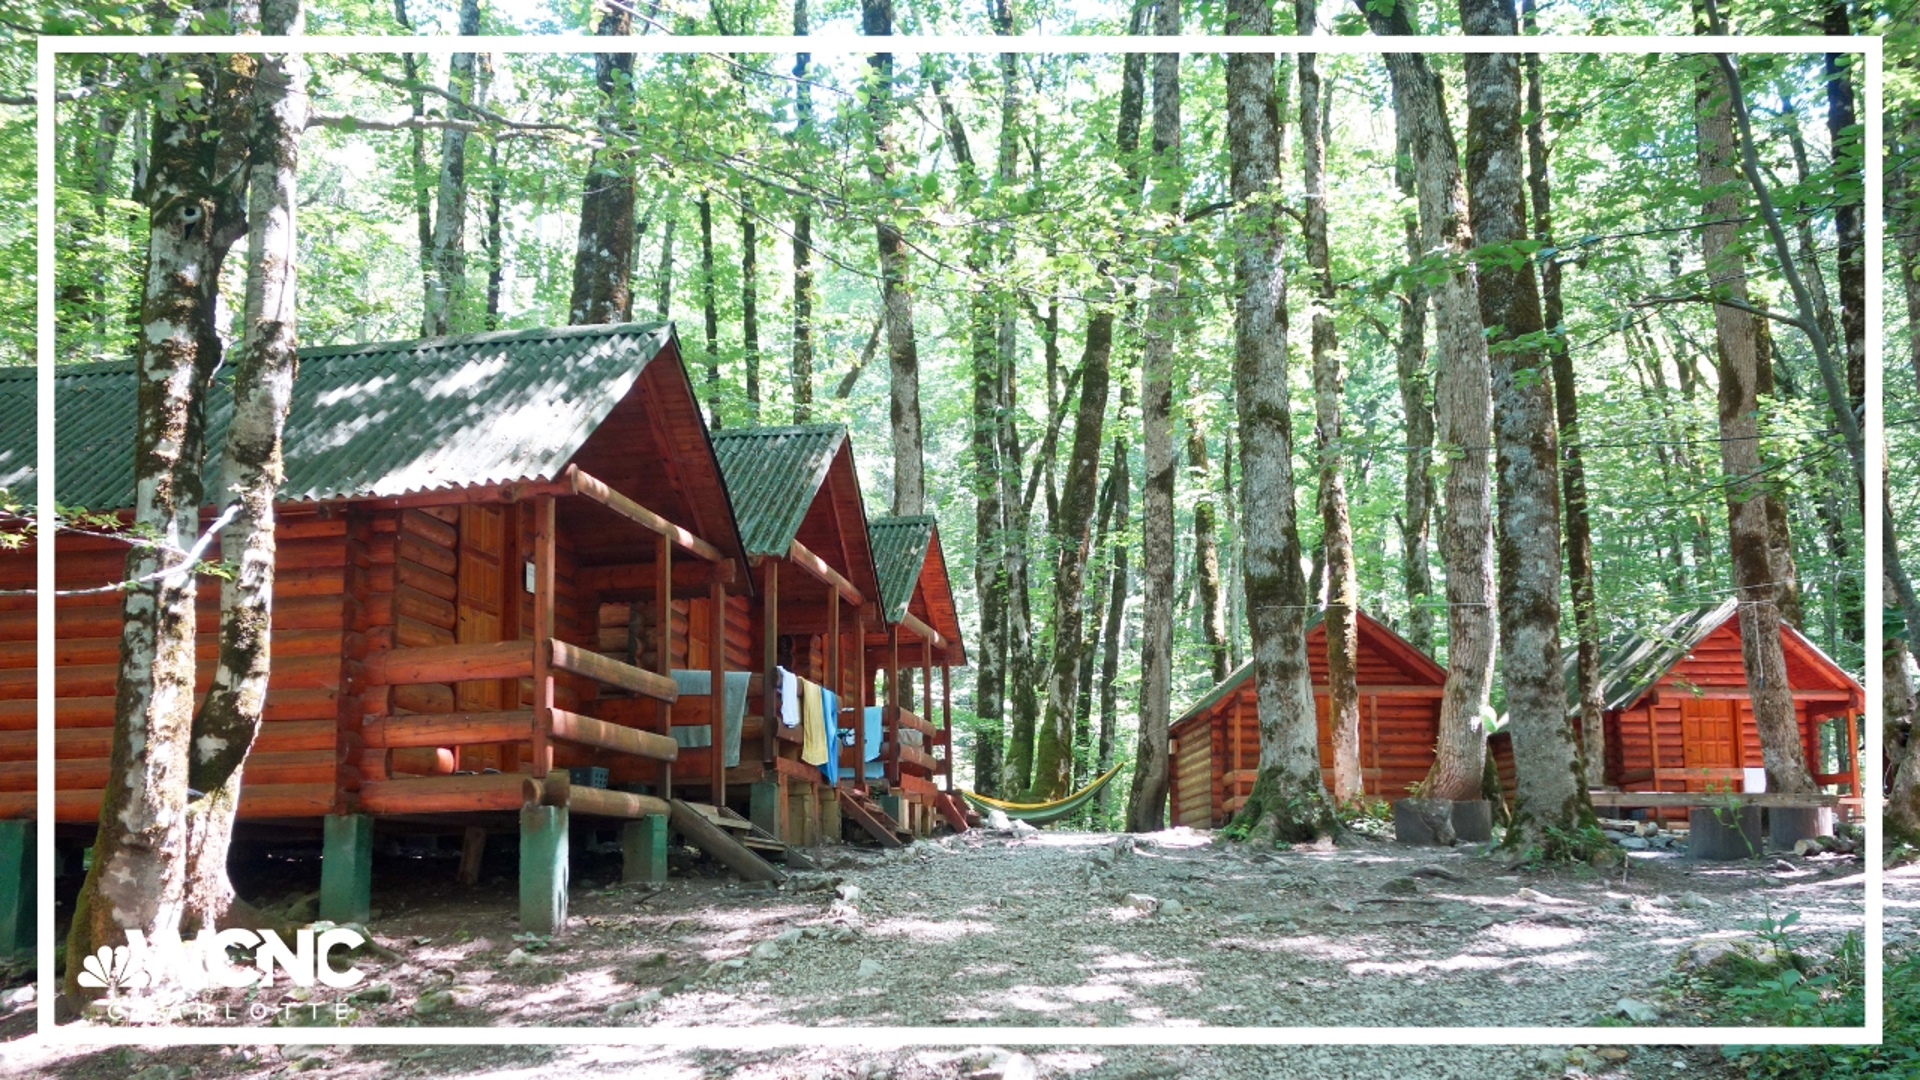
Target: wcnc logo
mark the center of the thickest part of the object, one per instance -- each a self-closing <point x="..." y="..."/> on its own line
<point x="203" y="961"/>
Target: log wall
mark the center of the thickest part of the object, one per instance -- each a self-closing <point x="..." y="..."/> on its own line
<point x="299" y="759"/>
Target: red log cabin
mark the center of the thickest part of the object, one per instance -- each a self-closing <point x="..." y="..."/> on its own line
<point x="456" y="517"/>
<point x="803" y="521"/>
<point x="1678" y="716"/>
<point x="1216" y="744"/>
<point x="918" y="628"/>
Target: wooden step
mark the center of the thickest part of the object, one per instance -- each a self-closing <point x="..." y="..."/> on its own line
<point x="870" y="817"/>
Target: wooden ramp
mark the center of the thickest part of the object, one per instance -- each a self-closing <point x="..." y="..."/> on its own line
<point x="714" y="831"/>
<point x="953" y="812"/>
<point x="871" y="818"/>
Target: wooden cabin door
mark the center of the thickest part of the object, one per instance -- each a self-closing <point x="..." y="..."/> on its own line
<point x="481" y="611"/>
<point x="1710" y="736"/>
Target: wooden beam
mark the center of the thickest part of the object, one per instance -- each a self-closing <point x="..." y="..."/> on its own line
<point x="449" y="794"/>
<point x="770" y="657"/>
<point x="448" y="729"/>
<point x="1681" y="799"/>
<point x="946" y="724"/>
<point x="1668" y="694"/>
<point x="890" y="732"/>
<point x="817" y="566"/>
<point x="559" y="790"/>
<point x="922" y="631"/>
<point x="663" y="607"/>
<point x="583" y="483"/>
<point x="510" y="492"/>
<point x="640" y="577"/>
<point x="1853" y="755"/>
<point x="713" y="840"/>
<point x="449" y="663"/>
<point x="612" y="672"/>
<point x="543" y="629"/>
<point x="863" y="687"/>
<point x="589" y="731"/>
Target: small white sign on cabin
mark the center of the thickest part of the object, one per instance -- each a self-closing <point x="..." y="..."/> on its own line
<point x="1754" y="780"/>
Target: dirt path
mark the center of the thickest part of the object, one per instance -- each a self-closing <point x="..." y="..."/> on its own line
<point x="1057" y="930"/>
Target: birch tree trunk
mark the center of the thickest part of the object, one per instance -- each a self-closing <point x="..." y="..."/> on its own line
<point x="1755" y="574"/>
<point x="447" y="279"/>
<point x="1289" y="801"/>
<point x="1849" y="219"/>
<point x="229" y="718"/>
<point x="800" y="370"/>
<point x="750" y="306"/>
<point x="1566" y="404"/>
<point x="663" y="278"/>
<point x="1343" y="585"/>
<point x="603" y="261"/>
<point x="196" y="201"/>
<point x="417" y="159"/>
<point x="1551" y="793"/>
<point x="903" y="357"/>
<point x="1463" y="406"/>
<point x="1146" y="802"/>
<point x="1416" y="404"/>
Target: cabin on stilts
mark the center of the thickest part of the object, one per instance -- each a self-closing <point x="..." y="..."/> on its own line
<point x="911" y="768"/>
<point x="803" y="523"/>
<point x="498" y="556"/>
<point x="1678" y="716"/>
<point x="1216" y="744"/>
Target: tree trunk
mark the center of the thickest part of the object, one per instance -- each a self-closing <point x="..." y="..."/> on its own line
<point x="603" y="260"/>
<point x="1289" y="801"/>
<point x="800" y="373"/>
<point x="1849" y="222"/>
<point x="903" y="357"/>
<point x="1206" y="553"/>
<point x="250" y="468"/>
<point x="417" y="158"/>
<point x="1336" y="531"/>
<point x="663" y="284"/>
<point x="1146" y="802"/>
<point x="1738" y="346"/>
<point x="196" y="199"/>
<point x="750" y="307"/>
<point x="496" y="255"/>
<point x="1463" y="404"/>
<point x="1902" y="753"/>
<point x="1116" y="616"/>
<point x="1550" y="796"/>
<point x="1099" y="556"/>
<point x="1566" y="404"/>
<point x="990" y="497"/>
<point x="447" y="278"/>
<point x="710" y="307"/>
<point x="1416" y="404"/>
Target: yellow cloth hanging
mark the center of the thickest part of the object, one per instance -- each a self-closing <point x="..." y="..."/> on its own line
<point x="813" y="731"/>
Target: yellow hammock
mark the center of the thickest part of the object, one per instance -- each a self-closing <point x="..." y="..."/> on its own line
<point x="1042" y="813"/>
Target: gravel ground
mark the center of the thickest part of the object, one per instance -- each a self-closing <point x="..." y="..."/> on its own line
<point x="1065" y="930"/>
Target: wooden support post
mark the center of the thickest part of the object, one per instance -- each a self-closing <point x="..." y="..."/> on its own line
<point x="543" y="630"/>
<point x="543" y="868"/>
<point x="1653" y="745"/>
<point x="663" y="605"/>
<point x="946" y="720"/>
<point x="473" y="848"/>
<point x="1853" y="753"/>
<point x="770" y="644"/>
<point x="717" y="686"/>
<point x="19" y="889"/>
<point x="643" y="850"/>
<point x="926" y="681"/>
<point x="833" y="681"/>
<point x="890" y="732"/>
<point x="346" y="868"/>
<point x="863" y="683"/>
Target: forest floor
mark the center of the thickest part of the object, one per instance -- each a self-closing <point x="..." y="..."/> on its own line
<point x="1057" y="929"/>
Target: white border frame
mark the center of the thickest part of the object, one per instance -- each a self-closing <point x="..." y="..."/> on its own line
<point x="51" y="48"/>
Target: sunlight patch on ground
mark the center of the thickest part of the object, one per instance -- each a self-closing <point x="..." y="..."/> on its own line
<point x="1125" y="962"/>
<point x="1182" y="837"/>
<point x="1317" y="946"/>
<point x="1468" y="962"/>
<point x="1095" y="992"/>
<point x="1125" y="914"/>
<point x="1031" y="999"/>
<point x="983" y="971"/>
<point x="1535" y="937"/>
<point x="929" y="929"/>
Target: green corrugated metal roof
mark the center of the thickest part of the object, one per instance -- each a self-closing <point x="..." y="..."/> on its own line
<point x="366" y="420"/>
<point x="772" y="474"/>
<point x="899" y="551"/>
<point x="1634" y="662"/>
